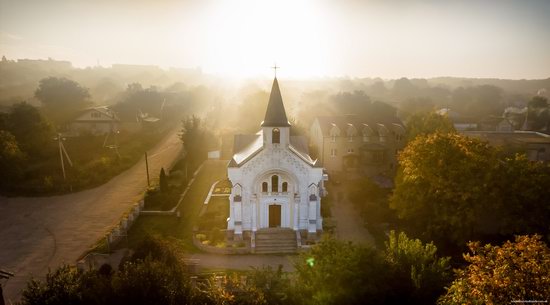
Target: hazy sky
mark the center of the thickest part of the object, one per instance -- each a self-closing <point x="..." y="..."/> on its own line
<point x="389" y="39"/>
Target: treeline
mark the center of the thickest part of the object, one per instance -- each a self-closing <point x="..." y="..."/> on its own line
<point x="404" y="271"/>
<point x="29" y="157"/>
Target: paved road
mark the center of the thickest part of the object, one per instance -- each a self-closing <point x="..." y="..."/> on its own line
<point x="243" y="262"/>
<point x="41" y="233"/>
<point x="349" y="225"/>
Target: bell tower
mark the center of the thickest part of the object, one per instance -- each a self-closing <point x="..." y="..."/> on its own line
<point x="275" y="127"/>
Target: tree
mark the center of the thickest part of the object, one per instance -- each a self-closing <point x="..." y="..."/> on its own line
<point x="538" y="113"/>
<point x="538" y="102"/>
<point x="418" y="274"/>
<point x="478" y="101"/>
<point x="338" y="272"/>
<point x="252" y="110"/>
<point x="136" y="100"/>
<point x="521" y="205"/>
<point x="452" y="189"/>
<point x="61" y="98"/>
<point x="428" y="123"/>
<point x="60" y="287"/>
<point x="31" y="129"/>
<point x="196" y="138"/>
<point x="261" y="286"/>
<point x="515" y="271"/>
<point x="163" y="181"/>
<point x="443" y="181"/>
<point x="159" y="278"/>
<point x="11" y="157"/>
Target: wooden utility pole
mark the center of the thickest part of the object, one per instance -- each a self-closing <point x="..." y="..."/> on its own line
<point x="61" y="152"/>
<point x="61" y="156"/>
<point x="147" y="169"/>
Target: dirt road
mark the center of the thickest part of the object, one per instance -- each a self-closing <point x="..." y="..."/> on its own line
<point x="41" y="233"/>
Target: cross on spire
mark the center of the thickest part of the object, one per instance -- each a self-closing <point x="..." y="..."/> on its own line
<point x="275" y="69"/>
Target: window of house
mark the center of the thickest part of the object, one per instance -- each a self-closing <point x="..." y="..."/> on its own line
<point x="285" y="187"/>
<point x="276" y="136"/>
<point x="350" y="150"/>
<point x="333" y="152"/>
<point x="264" y="187"/>
<point x="96" y="115"/>
<point x="275" y="183"/>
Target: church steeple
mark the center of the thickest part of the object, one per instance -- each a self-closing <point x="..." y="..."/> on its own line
<point x="275" y="116"/>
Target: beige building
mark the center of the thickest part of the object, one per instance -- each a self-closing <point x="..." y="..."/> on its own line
<point x="535" y="145"/>
<point x="349" y="144"/>
<point x="95" y="121"/>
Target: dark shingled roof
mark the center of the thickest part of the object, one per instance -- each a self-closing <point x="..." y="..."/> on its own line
<point x="275" y="116"/>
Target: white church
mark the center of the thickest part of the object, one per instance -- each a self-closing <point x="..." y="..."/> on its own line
<point x="275" y="183"/>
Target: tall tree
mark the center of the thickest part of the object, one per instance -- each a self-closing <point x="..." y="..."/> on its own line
<point x="428" y="123"/>
<point x="61" y="98"/>
<point x="443" y="181"/>
<point x="515" y="271"/>
<point x="196" y="138"/>
<point x="452" y="189"/>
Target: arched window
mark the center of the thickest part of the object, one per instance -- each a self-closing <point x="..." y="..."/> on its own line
<point x="276" y="136"/>
<point x="274" y="183"/>
<point x="285" y="187"/>
<point x="264" y="187"/>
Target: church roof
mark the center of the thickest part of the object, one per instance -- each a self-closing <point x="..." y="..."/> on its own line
<point x="275" y="116"/>
<point x="247" y="146"/>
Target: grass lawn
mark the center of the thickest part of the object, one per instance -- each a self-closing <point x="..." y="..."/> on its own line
<point x="180" y="231"/>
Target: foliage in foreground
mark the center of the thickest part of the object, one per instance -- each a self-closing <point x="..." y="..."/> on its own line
<point x="334" y="272"/>
<point x="406" y="272"/>
<point x="515" y="271"/>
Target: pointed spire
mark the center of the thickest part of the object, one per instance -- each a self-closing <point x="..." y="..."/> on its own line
<point x="275" y="116"/>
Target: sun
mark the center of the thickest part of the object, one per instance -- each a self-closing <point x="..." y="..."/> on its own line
<point x="244" y="38"/>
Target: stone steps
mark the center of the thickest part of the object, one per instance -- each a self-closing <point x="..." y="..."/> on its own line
<point x="275" y="241"/>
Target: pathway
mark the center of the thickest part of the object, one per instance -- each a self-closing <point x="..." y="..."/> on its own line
<point x="349" y="225"/>
<point x="242" y="262"/>
<point x="41" y="233"/>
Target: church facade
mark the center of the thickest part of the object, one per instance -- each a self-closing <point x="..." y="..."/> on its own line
<point x="275" y="183"/>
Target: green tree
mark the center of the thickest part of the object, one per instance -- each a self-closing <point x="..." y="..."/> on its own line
<point x="197" y="139"/>
<point x="11" y="158"/>
<point x="31" y="129"/>
<point x="151" y="282"/>
<point x="443" y="181"/>
<point x="515" y="271"/>
<point x="61" y="286"/>
<point x="61" y="98"/>
<point x="521" y="196"/>
<point x="338" y="272"/>
<point x="428" y="123"/>
<point x="137" y="100"/>
<point x="418" y="275"/>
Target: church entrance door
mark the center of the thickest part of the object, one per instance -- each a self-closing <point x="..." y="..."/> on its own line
<point x="274" y="216"/>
